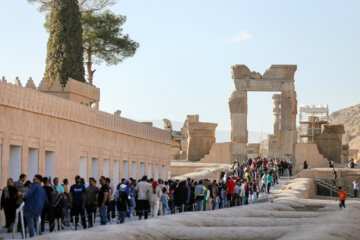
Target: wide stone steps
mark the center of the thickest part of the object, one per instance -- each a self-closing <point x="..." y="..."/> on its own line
<point x="327" y="183"/>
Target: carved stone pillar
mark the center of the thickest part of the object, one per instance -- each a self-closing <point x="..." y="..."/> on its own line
<point x="288" y="122"/>
<point x="239" y="133"/>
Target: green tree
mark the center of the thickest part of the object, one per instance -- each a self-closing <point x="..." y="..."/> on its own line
<point x="85" y="5"/>
<point x="65" y="53"/>
<point x="103" y="40"/>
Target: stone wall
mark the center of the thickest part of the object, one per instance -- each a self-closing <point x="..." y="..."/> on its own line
<point x="329" y="142"/>
<point x="219" y="153"/>
<point x="310" y="154"/>
<point x="194" y="140"/>
<point x="201" y="137"/>
<point x="32" y="119"/>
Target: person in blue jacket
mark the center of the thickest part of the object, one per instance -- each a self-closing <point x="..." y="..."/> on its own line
<point x="35" y="201"/>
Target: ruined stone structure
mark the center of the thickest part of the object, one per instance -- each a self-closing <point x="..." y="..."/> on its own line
<point x="278" y="78"/>
<point x="253" y="150"/>
<point x="345" y="153"/>
<point x="55" y="132"/>
<point x="329" y="142"/>
<point x="75" y="91"/>
<point x="194" y="140"/>
<point x="200" y="139"/>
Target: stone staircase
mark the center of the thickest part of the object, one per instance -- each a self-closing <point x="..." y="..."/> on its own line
<point x="328" y="184"/>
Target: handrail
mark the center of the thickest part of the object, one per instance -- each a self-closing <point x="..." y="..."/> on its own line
<point x="330" y="187"/>
<point x="19" y="210"/>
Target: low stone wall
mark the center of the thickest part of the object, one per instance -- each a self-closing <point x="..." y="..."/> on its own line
<point x="303" y="188"/>
<point x="284" y="218"/>
<point x="310" y="154"/>
<point x="219" y="153"/>
<point x="185" y="169"/>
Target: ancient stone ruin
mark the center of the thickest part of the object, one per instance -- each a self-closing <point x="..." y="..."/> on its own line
<point x="278" y="78"/>
<point x="194" y="140"/>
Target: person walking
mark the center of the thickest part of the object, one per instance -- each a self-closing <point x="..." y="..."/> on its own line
<point x="111" y="206"/>
<point x="247" y="193"/>
<point x="132" y="192"/>
<point x="90" y="201"/>
<point x="341" y="197"/>
<point x="154" y="198"/>
<point x="356" y="187"/>
<point x="48" y="211"/>
<point x="20" y="186"/>
<point x="334" y="176"/>
<point x="103" y="200"/>
<point x="305" y="165"/>
<point x="58" y="198"/>
<point x="264" y="183"/>
<point x="77" y="192"/>
<point x="230" y="185"/>
<point x="143" y="205"/>
<point x="66" y="203"/>
<point x="236" y="195"/>
<point x="268" y="180"/>
<point x="35" y="201"/>
<point x="164" y="201"/>
<point x="8" y="203"/>
<point x="180" y="194"/>
<point x="122" y="202"/>
<point x="199" y="195"/>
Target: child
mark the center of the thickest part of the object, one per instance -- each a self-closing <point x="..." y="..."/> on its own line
<point x="164" y="200"/>
<point x="341" y="197"/>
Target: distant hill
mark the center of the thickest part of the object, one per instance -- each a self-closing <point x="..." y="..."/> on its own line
<point x="350" y="117"/>
<point x="221" y="135"/>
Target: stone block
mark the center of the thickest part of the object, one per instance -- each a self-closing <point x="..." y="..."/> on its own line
<point x="238" y="148"/>
<point x="240" y="72"/>
<point x="238" y="121"/>
<point x="238" y="105"/>
<point x="284" y="72"/>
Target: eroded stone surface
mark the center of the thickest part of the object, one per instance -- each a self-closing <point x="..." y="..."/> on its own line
<point x="285" y="218"/>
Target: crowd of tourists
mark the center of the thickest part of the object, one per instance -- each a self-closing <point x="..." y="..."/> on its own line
<point x="63" y="205"/>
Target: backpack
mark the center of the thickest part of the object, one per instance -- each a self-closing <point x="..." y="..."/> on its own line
<point x="56" y="197"/>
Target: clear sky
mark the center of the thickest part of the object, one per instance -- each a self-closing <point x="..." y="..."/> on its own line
<point x="187" y="48"/>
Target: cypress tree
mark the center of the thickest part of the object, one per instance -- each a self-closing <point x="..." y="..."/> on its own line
<point x="64" y="48"/>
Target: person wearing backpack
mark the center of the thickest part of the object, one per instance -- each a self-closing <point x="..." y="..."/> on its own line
<point x="122" y="203"/>
<point x="48" y="211"/>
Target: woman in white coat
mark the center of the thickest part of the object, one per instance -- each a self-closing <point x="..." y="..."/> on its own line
<point x="154" y="198"/>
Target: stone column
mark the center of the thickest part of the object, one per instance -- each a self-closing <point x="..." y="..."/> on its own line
<point x="239" y="132"/>
<point x="277" y="114"/>
<point x="288" y="122"/>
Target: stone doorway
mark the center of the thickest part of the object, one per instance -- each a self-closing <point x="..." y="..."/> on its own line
<point x="278" y="78"/>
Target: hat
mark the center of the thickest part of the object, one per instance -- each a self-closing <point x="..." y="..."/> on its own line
<point x="155" y="184"/>
<point x="127" y="181"/>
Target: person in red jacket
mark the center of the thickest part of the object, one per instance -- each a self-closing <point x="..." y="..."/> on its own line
<point x="230" y="185"/>
<point x="341" y="197"/>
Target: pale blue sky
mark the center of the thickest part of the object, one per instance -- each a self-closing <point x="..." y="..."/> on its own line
<point x="187" y="48"/>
